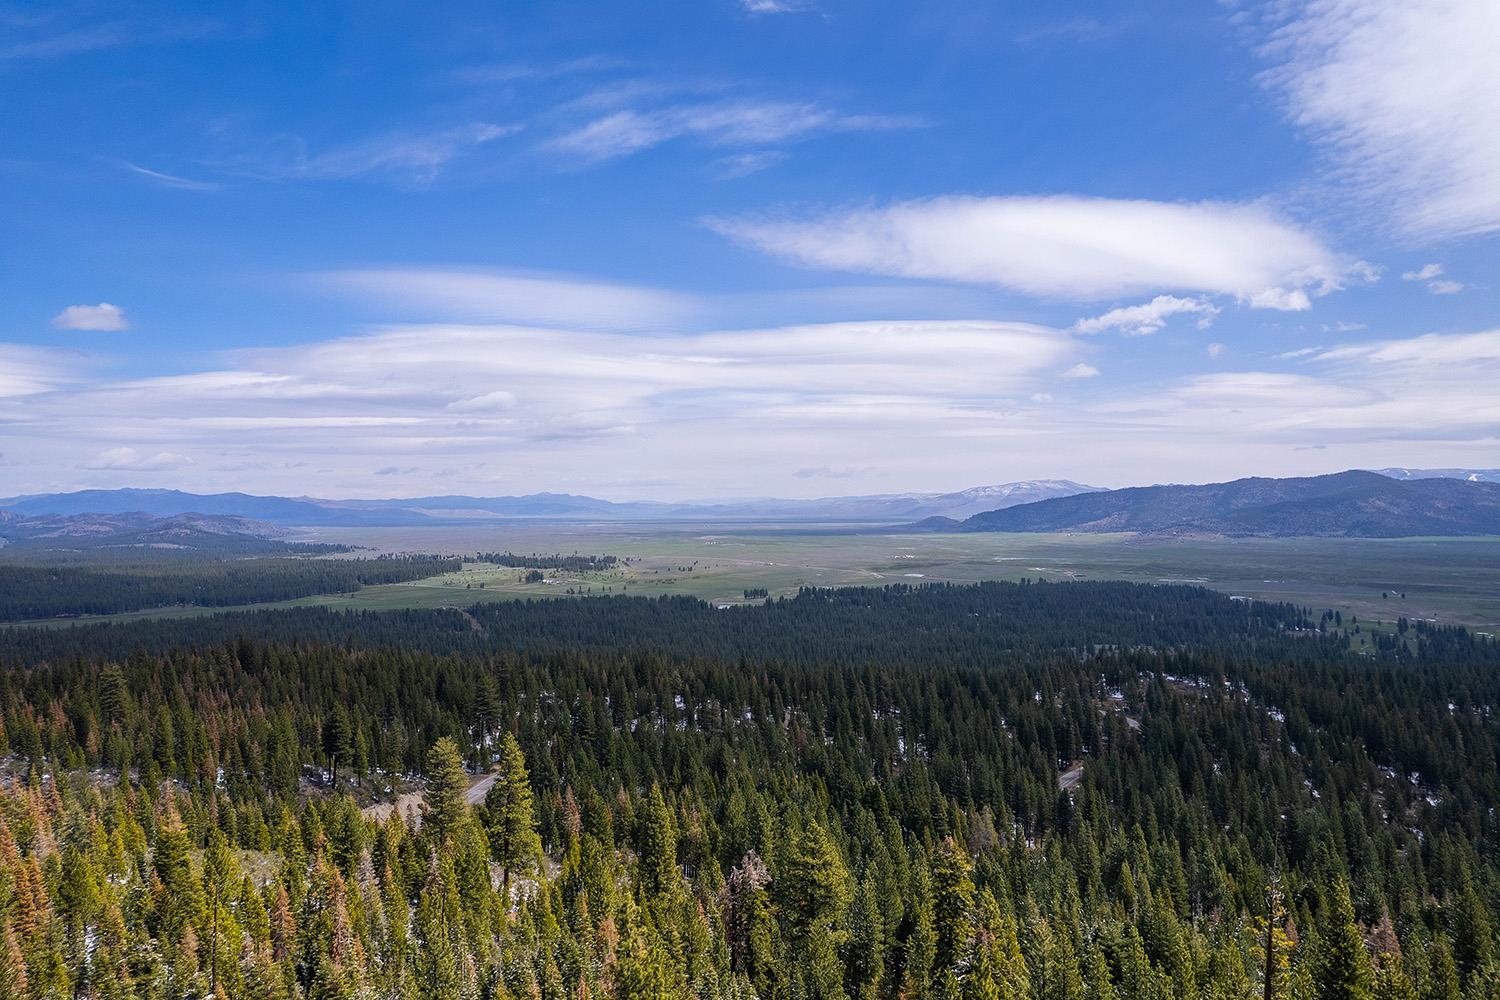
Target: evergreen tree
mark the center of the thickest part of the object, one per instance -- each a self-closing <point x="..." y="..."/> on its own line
<point x="488" y="707"/>
<point x="1441" y="981"/>
<point x="447" y="789"/>
<point x="815" y="888"/>
<point x="953" y="904"/>
<point x="1473" y="939"/>
<point x="1340" y="967"/>
<point x="657" y="840"/>
<point x="865" y="953"/>
<point x="508" y="816"/>
<point x="338" y="742"/>
<point x="1391" y="981"/>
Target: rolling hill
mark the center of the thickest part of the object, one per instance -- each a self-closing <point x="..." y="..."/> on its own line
<point x="79" y="532"/>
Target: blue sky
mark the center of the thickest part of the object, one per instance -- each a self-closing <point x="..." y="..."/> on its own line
<point x="744" y="247"/>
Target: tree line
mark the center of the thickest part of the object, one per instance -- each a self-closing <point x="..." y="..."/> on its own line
<point x="35" y="591"/>
<point x="574" y="563"/>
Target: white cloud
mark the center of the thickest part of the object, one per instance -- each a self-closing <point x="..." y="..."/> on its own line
<point x="25" y="371"/>
<point x="1300" y="352"/>
<point x="488" y="403"/>
<point x="102" y="317"/>
<point x="572" y="301"/>
<point x="131" y="460"/>
<point x="1216" y="350"/>
<point x="566" y="370"/>
<point x="725" y="123"/>
<point x="546" y="404"/>
<point x="770" y="6"/>
<point x="1406" y="95"/>
<point x="1150" y="317"/>
<point x="1427" y="273"/>
<point x="1270" y="391"/>
<point x="515" y="296"/>
<point x="737" y="412"/>
<point x="1441" y="349"/>
<point x="1419" y="396"/>
<point x="1424" y="273"/>
<point x="1068" y="247"/>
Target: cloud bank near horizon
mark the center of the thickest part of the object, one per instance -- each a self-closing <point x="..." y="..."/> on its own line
<point x="916" y="404"/>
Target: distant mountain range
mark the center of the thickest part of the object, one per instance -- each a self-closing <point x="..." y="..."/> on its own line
<point x="1472" y="475"/>
<point x="1352" y="504"/>
<point x="1389" y="503"/>
<point x="312" y="512"/>
<point x="137" y="530"/>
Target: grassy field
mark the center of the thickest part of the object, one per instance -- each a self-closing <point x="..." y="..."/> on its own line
<point x="1447" y="580"/>
<point x="1454" y="580"/>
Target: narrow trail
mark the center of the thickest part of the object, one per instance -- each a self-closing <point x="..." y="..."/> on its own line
<point x="409" y="804"/>
<point x="474" y="623"/>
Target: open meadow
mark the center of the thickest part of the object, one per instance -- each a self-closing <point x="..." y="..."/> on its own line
<point x="1454" y="581"/>
<point x="1443" y="579"/>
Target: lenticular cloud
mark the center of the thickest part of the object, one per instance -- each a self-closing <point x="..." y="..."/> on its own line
<point x="1067" y="247"/>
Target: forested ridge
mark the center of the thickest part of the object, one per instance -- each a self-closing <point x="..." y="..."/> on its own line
<point x="849" y="795"/>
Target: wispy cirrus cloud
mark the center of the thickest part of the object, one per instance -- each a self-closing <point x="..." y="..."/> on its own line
<point x="25" y="370"/>
<point x="55" y="35"/>
<point x="771" y="6"/>
<point x="170" y="180"/>
<point x="416" y="156"/>
<point x="1381" y="395"/>
<point x="720" y="123"/>
<point x="744" y="164"/>
<point x="70" y="41"/>
<point x="515" y="296"/>
<point x="133" y="460"/>
<point x="1404" y="94"/>
<point x="467" y="294"/>
<point x="1432" y="349"/>
<point x="1068" y="247"/>
<point x="537" y="72"/>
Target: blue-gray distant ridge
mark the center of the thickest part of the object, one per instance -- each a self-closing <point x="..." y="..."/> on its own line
<point x="1352" y="504"/>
